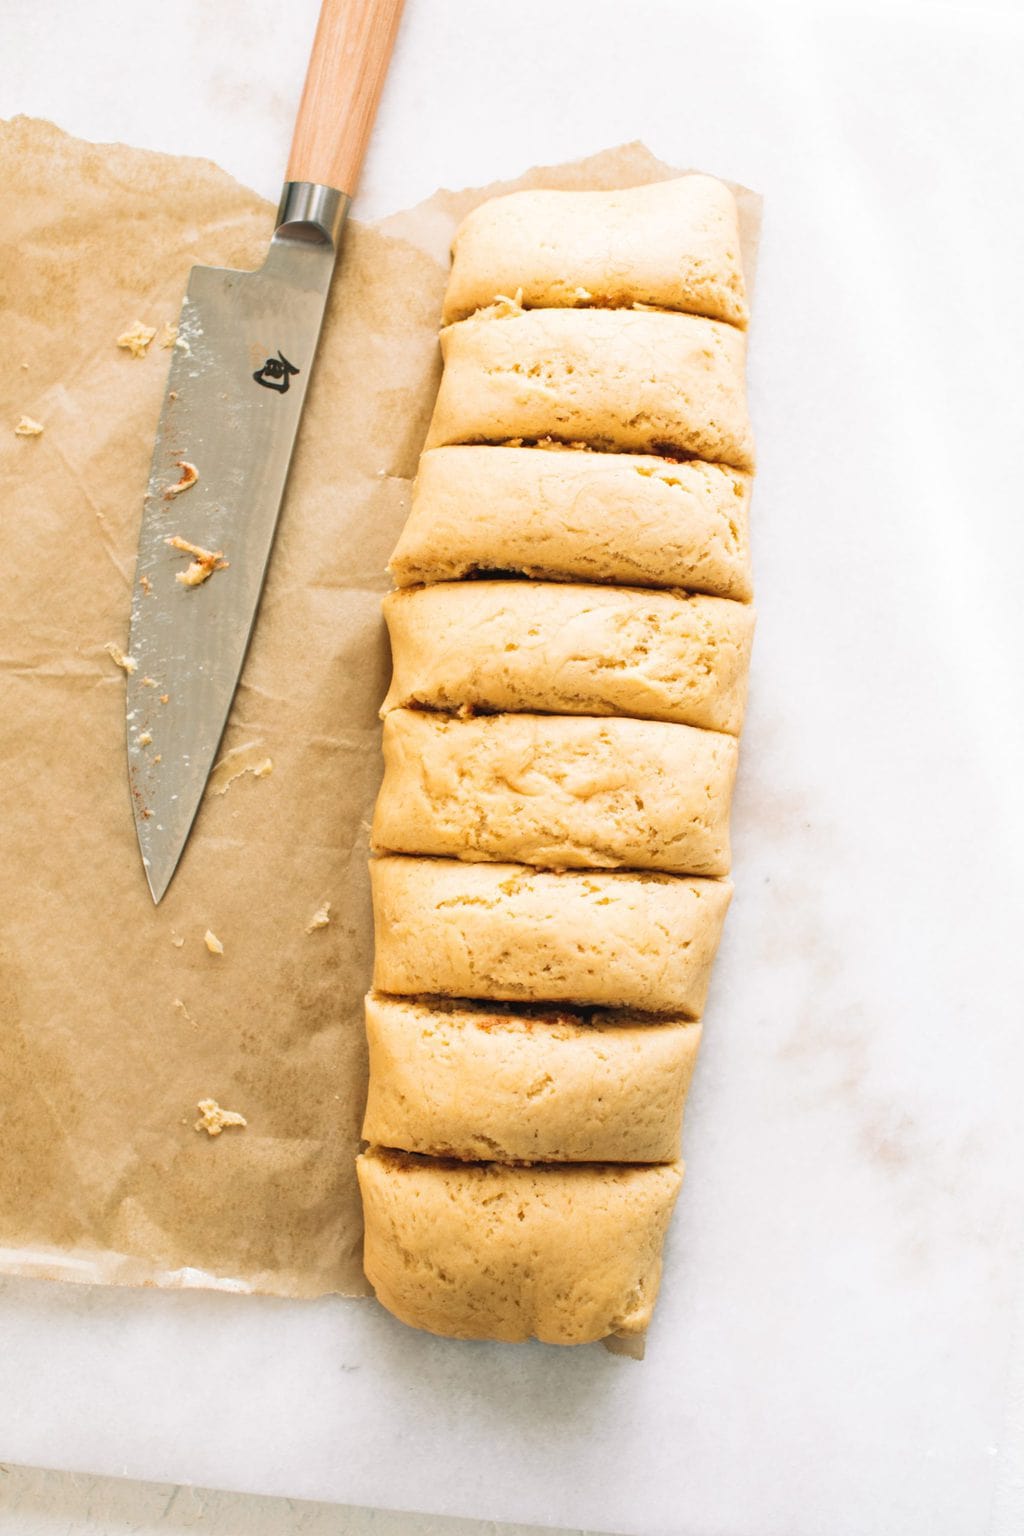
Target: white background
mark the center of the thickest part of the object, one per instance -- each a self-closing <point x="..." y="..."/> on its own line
<point x="833" y="1351"/>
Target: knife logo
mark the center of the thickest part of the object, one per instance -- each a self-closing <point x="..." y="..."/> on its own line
<point x="275" y="373"/>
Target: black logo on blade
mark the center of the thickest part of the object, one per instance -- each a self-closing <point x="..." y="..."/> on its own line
<point x="275" y="373"/>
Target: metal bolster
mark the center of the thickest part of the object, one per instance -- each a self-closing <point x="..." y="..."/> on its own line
<point x="309" y="211"/>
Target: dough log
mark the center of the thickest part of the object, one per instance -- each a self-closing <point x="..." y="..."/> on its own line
<point x="552" y="829"/>
<point x="490" y="1084"/>
<point x="674" y="244"/>
<point x="500" y="931"/>
<point x="566" y="1254"/>
<point x="558" y="791"/>
<point x="613" y="379"/>
<point x="570" y="649"/>
<point x="621" y="518"/>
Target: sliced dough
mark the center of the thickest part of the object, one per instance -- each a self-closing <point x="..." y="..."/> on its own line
<point x="581" y="650"/>
<point x="481" y="1251"/>
<point x="503" y="932"/>
<point x="611" y="378"/>
<point x="558" y="791"/>
<point x="675" y="244"/>
<point x="479" y="1082"/>
<point x="605" y="517"/>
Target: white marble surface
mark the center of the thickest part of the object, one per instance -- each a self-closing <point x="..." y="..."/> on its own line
<point x="37" y="1502"/>
<point x="833" y="1350"/>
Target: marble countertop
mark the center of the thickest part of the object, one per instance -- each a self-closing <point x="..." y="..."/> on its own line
<point x="833" y="1354"/>
<point x="37" y="1502"/>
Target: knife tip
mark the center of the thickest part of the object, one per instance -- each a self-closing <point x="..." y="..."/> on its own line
<point x="158" y="883"/>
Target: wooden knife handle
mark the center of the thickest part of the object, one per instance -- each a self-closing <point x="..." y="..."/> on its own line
<point x="351" y="50"/>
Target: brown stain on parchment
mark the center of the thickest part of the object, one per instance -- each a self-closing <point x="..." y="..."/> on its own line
<point x="101" y="1072"/>
<point x="40" y="1107"/>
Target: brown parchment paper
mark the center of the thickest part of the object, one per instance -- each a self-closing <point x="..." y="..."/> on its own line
<point x="115" y="1020"/>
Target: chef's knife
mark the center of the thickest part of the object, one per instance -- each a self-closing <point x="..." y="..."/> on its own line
<point x="238" y="378"/>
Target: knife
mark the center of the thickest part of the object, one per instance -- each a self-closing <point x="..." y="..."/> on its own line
<point x="240" y="369"/>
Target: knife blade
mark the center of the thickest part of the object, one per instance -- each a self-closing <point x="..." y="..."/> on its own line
<point x="237" y="383"/>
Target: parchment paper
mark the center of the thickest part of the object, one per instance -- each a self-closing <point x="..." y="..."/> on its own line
<point x="115" y="1019"/>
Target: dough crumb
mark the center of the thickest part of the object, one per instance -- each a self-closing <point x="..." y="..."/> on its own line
<point x="120" y="658"/>
<point x="204" y="563"/>
<point x="149" y="682"/>
<point x="29" y="427"/>
<point x="213" y="1119"/>
<point x="212" y="943"/>
<point x="177" y="1003"/>
<point x="503" y="307"/>
<point x="555" y="445"/>
<point x="145" y="584"/>
<point x="145" y="740"/>
<point x="165" y="698"/>
<point x="177" y="941"/>
<point x="168" y="335"/>
<point x="189" y="476"/>
<point x="320" y="919"/>
<point x="233" y="766"/>
<point x="137" y="338"/>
